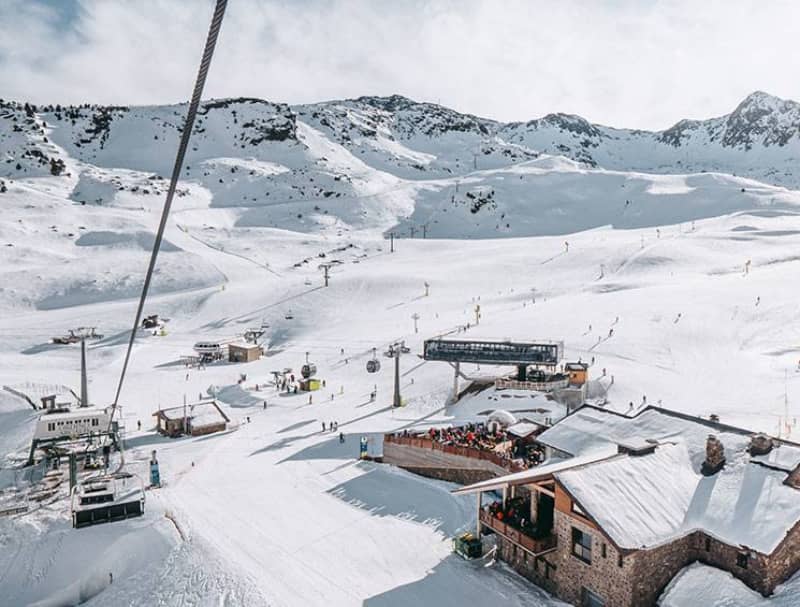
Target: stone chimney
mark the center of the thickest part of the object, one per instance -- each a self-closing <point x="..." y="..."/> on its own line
<point x="760" y="444"/>
<point x="715" y="456"/>
<point x="793" y="480"/>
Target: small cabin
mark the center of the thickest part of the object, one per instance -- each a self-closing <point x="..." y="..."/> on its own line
<point x="578" y="373"/>
<point x="196" y="419"/>
<point x="244" y="353"/>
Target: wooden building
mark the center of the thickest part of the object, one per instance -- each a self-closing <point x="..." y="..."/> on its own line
<point x="243" y="353"/>
<point x="195" y="419"/>
<point x="578" y="373"/>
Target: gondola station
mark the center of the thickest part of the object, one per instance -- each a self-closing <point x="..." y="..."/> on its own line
<point x="107" y="498"/>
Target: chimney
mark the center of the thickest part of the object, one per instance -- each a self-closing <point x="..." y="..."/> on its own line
<point x="715" y="456"/>
<point x="84" y="379"/>
<point x="49" y="402"/>
<point x="793" y="480"/>
<point x="760" y="444"/>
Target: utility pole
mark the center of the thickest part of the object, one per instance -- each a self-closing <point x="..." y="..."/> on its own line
<point x="84" y="378"/>
<point x="415" y="318"/>
<point x="397" y="350"/>
<point x="424" y="230"/>
<point x="427" y="288"/>
<point x="413" y="231"/>
<point x="391" y="241"/>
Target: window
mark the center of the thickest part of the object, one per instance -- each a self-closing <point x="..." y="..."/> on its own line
<point x="603" y="550"/>
<point x="590" y="599"/>
<point x="582" y="545"/>
<point x="619" y="560"/>
<point x="577" y="509"/>
<point x="95" y="421"/>
<point x="708" y="544"/>
<point x="741" y="559"/>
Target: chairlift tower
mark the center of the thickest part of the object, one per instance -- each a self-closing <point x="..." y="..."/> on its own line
<point x="326" y="267"/>
<point x="397" y="350"/>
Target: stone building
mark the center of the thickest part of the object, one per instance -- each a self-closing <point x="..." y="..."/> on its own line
<point x="624" y="503"/>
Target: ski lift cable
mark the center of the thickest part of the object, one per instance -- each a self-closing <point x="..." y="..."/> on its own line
<point x="208" y="53"/>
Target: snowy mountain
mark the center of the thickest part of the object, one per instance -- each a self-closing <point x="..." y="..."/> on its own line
<point x="759" y="139"/>
<point x="686" y="304"/>
<point x="392" y="164"/>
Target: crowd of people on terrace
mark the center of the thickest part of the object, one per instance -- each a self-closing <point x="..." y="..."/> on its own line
<point x="481" y="437"/>
<point x="516" y="513"/>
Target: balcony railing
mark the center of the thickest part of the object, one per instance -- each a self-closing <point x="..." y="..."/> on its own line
<point x="538" y="386"/>
<point x="535" y="546"/>
<point x="471" y="452"/>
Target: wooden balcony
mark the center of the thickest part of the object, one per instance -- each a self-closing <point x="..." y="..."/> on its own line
<point x="535" y="546"/>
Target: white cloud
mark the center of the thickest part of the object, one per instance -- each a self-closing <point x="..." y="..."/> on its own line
<point x="643" y="63"/>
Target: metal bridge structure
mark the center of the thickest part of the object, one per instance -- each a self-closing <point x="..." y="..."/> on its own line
<point x="521" y="354"/>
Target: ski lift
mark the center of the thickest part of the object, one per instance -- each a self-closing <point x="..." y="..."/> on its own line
<point x="373" y="365"/>
<point x="107" y="498"/>
<point x="309" y="369"/>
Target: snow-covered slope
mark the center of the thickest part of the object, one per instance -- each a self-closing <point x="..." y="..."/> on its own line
<point x="688" y="305"/>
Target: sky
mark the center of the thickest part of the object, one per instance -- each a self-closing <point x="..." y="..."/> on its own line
<point x="627" y="63"/>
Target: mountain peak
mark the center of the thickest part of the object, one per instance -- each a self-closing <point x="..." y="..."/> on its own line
<point x="761" y="102"/>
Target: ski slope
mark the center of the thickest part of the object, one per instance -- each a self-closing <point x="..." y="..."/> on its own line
<point x="659" y="293"/>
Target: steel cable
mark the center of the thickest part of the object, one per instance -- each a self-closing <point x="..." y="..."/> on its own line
<point x="208" y="52"/>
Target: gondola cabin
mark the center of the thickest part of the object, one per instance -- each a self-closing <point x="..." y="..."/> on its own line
<point x="308" y="370"/>
<point x="107" y="498"/>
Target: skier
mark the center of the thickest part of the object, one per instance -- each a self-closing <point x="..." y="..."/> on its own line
<point x="265" y="405"/>
<point x="309" y="399"/>
<point x="323" y="426"/>
<point x="566" y="247"/>
<point x="139" y="424"/>
<point x="610" y="332"/>
<point x="110" y="577"/>
<point x="341" y="437"/>
<point x="758" y="300"/>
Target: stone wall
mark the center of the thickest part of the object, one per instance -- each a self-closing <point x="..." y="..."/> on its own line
<point x="454" y="475"/>
<point x="537" y="569"/>
<point x="653" y="569"/>
<point x="434" y="463"/>
<point x="785" y="560"/>
<point x="604" y="576"/>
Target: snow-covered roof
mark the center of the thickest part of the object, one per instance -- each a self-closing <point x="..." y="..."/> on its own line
<point x="77" y="413"/>
<point x="523" y="428"/>
<point x="642" y="501"/>
<point x="649" y="499"/>
<point x="200" y="414"/>
<point x="536" y="473"/>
